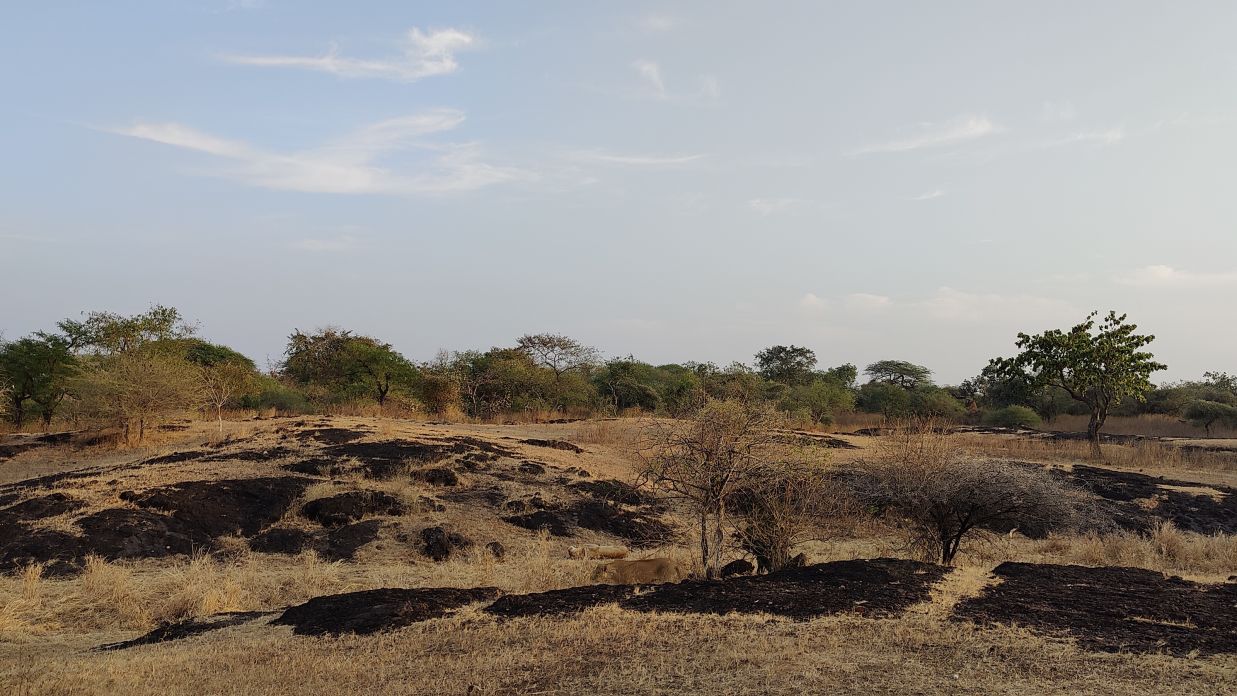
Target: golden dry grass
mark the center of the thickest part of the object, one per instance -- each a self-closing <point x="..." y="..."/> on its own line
<point x="48" y="627"/>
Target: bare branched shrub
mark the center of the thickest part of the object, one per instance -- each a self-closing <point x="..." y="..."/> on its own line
<point x="940" y="496"/>
<point x="706" y="460"/>
<point x="789" y="503"/>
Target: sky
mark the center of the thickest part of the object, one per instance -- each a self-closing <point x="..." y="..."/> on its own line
<point x="676" y="181"/>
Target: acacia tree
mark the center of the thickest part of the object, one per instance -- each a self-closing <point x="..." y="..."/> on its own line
<point x="346" y="365"/>
<point x="223" y="374"/>
<point x="36" y="369"/>
<point x="705" y="461"/>
<point x="899" y="372"/>
<point x="1204" y="414"/>
<point x="557" y="353"/>
<point x="1096" y="365"/>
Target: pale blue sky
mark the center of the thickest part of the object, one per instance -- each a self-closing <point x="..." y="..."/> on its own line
<point x="676" y="181"/>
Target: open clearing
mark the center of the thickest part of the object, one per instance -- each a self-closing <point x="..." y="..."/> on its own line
<point x="298" y="555"/>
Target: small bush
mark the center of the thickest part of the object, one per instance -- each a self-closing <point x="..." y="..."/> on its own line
<point x="1013" y="417"/>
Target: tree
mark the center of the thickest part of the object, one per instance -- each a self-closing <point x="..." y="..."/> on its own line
<point x="109" y="332"/>
<point x="845" y="375"/>
<point x="1097" y="366"/>
<point x="137" y="387"/>
<point x="721" y="449"/>
<point x="819" y="400"/>
<point x="898" y="372"/>
<point x="941" y="497"/>
<point x="1204" y="414"/>
<point x="343" y="366"/>
<point x="789" y="502"/>
<point x="557" y="353"/>
<point x="886" y="399"/>
<point x="36" y="369"/>
<point x="789" y="365"/>
<point x="224" y="375"/>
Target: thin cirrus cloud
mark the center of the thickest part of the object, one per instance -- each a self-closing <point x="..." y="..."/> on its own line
<point x="635" y="160"/>
<point x="928" y="135"/>
<point x="349" y="165"/>
<point x="769" y="206"/>
<point x="425" y="54"/>
<point x="1163" y="276"/>
<point x="928" y="195"/>
<point x="654" y="84"/>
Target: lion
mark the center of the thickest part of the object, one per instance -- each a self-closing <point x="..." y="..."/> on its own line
<point x="642" y="572"/>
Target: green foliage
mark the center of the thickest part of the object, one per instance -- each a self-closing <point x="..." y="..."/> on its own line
<point x="34" y="372"/>
<point x="108" y="332"/>
<point x="1012" y="417"/>
<point x="1096" y="365"/>
<point x="886" y="399"/>
<point x="789" y="365"/>
<point x="899" y="372"/>
<point x="927" y="401"/>
<point x="845" y="375"/>
<point x="1205" y="414"/>
<point x="209" y="354"/>
<point x="820" y="401"/>
<point x="338" y="366"/>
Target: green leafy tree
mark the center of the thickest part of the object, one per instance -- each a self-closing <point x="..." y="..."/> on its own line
<point x="898" y="372"/>
<point x="789" y="365"/>
<point x="225" y="376"/>
<point x="820" y="401"/>
<point x="35" y="372"/>
<point x="1096" y="364"/>
<point x="340" y="365"/>
<point x="108" y="332"/>
<point x="1205" y="414"/>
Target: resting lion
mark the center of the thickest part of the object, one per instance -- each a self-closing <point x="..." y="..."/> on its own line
<point x="595" y="551"/>
<point x="642" y="572"/>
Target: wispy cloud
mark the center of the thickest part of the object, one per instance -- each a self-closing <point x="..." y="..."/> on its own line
<point x="1109" y="136"/>
<point x="333" y="245"/>
<point x="927" y="135"/>
<point x="636" y="160"/>
<point x="653" y="84"/>
<point x="768" y="206"/>
<point x="929" y="195"/>
<point x="351" y="164"/>
<point x="657" y="23"/>
<point x="425" y="54"/>
<point x="1161" y="276"/>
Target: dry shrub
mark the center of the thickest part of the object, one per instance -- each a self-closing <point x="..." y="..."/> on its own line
<point x="939" y="496"/>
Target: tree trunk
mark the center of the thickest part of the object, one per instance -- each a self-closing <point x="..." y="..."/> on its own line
<point x="1093" y="434"/>
<point x="219" y="416"/>
<point x="704" y="543"/>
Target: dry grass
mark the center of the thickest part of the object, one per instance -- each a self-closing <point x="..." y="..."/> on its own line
<point x="1206" y="466"/>
<point x="1148" y="425"/>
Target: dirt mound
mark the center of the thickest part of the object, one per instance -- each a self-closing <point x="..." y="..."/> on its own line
<point x="371" y="611"/>
<point x="1111" y="609"/>
<point x="332" y="436"/>
<point x="542" y="519"/>
<point x="188" y="628"/>
<point x="342" y="544"/>
<point x="437" y="542"/>
<point x="877" y="587"/>
<point x="571" y="600"/>
<point x="1138" y="502"/>
<point x="21" y="546"/>
<point x="338" y="510"/>
<point x="315" y="466"/>
<point x="615" y="492"/>
<point x="554" y="444"/>
<point x="390" y="458"/>
<point x="37" y="508"/>
<point x="641" y="529"/>
<point x="230" y="506"/>
<point x="123" y="533"/>
<point x="436" y="476"/>
<point x="282" y="540"/>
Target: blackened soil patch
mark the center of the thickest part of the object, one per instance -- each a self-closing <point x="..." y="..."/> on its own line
<point x="387" y="459"/>
<point x="641" y="529"/>
<point x="615" y="492"/>
<point x="186" y="456"/>
<point x="554" y="444"/>
<point x="33" y="509"/>
<point x="1111" y="609"/>
<point x="232" y="506"/>
<point x="815" y="440"/>
<point x="188" y="628"/>
<point x="315" y="466"/>
<point x="343" y="543"/>
<point x="877" y="587"/>
<point x="338" y="510"/>
<point x="571" y="600"/>
<point x="371" y="611"/>
<point x="436" y="476"/>
<point x="542" y="519"/>
<point x="332" y="436"/>
<point x="1126" y="496"/>
<point x="123" y="533"/>
<point x="258" y="455"/>
<point x="282" y="540"/>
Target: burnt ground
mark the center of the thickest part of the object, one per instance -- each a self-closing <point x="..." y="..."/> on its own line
<point x="876" y="587"/>
<point x="571" y="600"/>
<point x="342" y="508"/>
<point x="1138" y="502"/>
<point x="332" y="436"/>
<point x="554" y="444"/>
<point x="1110" y="609"/>
<point x="187" y="629"/>
<point x="371" y="611"/>
<point x="169" y="520"/>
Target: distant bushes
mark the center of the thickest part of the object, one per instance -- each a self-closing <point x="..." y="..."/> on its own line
<point x="1013" y="417"/>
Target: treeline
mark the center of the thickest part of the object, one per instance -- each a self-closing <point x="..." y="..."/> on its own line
<point x="130" y="371"/>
